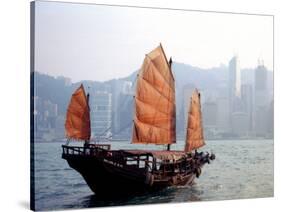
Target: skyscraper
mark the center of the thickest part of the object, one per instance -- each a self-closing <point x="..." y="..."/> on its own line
<point x="119" y="89"/>
<point x="234" y="78"/>
<point x="234" y="88"/>
<point x="223" y="114"/>
<point x="261" y="95"/>
<point x="240" y="123"/>
<point x="247" y="101"/>
<point x="261" y="100"/>
<point x="101" y="112"/>
<point x="210" y="114"/>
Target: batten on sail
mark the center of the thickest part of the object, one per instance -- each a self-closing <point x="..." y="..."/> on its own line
<point x="155" y="109"/>
<point x="194" y="134"/>
<point x="77" y="123"/>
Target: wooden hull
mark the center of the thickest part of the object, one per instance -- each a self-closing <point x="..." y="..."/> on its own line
<point x="106" y="179"/>
<point x="109" y="179"/>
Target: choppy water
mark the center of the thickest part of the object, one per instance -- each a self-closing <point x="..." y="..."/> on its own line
<point x="242" y="169"/>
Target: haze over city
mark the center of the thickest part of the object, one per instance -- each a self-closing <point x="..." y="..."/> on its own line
<point x="93" y="42"/>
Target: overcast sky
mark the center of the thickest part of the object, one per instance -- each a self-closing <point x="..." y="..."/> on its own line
<point x="92" y="42"/>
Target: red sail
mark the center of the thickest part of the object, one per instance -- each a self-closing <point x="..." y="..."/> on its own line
<point x="155" y="109"/>
<point x="194" y="137"/>
<point x="77" y="123"/>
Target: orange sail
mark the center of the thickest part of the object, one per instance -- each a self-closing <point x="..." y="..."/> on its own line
<point x="194" y="136"/>
<point x="155" y="109"/>
<point x="77" y="123"/>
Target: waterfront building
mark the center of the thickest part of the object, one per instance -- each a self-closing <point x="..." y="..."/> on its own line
<point x="101" y="109"/>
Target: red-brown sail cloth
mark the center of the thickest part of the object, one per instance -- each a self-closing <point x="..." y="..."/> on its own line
<point x="194" y="137"/>
<point x="77" y="123"/>
<point x="155" y="109"/>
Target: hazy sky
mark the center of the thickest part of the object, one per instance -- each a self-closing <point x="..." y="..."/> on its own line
<point x="92" y="42"/>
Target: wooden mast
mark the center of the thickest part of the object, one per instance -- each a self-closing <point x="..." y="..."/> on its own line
<point x="170" y="65"/>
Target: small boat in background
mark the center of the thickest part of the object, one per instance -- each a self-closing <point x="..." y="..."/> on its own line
<point x="110" y="172"/>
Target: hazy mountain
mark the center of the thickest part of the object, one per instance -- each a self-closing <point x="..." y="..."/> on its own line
<point x="58" y="91"/>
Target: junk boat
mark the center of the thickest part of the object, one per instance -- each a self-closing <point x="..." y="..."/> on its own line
<point x="111" y="172"/>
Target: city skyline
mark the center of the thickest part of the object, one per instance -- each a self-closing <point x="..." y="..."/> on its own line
<point x="71" y="40"/>
<point x="239" y="108"/>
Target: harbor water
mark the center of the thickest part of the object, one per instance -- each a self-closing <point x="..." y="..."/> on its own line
<point x="242" y="169"/>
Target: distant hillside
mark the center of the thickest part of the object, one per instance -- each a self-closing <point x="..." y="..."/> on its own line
<point x="56" y="90"/>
